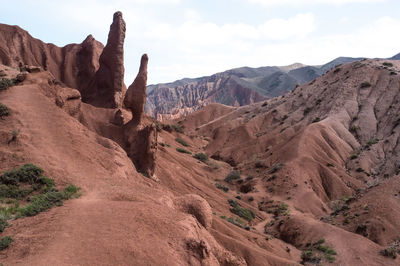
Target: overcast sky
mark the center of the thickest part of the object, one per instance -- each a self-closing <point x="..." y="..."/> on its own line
<point x="192" y="38"/>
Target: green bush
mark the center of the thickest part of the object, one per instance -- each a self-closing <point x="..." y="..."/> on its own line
<point x="201" y="156"/>
<point x="3" y="222"/>
<point x="28" y="184"/>
<point x="183" y="150"/>
<point x="222" y="187"/>
<point x="5" y="242"/>
<point x="178" y="128"/>
<point x="45" y="201"/>
<point x="7" y="83"/>
<point x="387" y="64"/>
<point x="4" y="111"/>
<point x="182" y="142"/>
<point x="28" y="173"/>
<point x="233" y="175"/>
<point x="240" y="211"/>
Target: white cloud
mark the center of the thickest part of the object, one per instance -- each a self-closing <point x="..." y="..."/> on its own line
<point x="308" y="2"/>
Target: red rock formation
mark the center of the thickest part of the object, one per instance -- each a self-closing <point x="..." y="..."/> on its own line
<point x="135" y="98"/>
<point x="74" y="64"/>
<point x="107" y="88"/>
<point x="140" y="135"/>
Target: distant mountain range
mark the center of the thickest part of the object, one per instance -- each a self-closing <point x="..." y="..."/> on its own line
<point x="235" y="87"/>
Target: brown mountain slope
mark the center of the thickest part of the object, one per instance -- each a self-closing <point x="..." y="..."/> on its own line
<point x="122" y="217"/>
<point x="325" y="153"/>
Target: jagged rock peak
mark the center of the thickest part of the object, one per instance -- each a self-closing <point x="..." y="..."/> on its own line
<point x="135" y="98"/>
<point x="107" y="88"/>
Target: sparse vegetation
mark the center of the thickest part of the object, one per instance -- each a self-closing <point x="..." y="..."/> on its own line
<point x="222" y="187"/>
<point x="264" y="104"/>
<point x="27" y="186"/>
<point x="6" y="83"/>
<point x="178" y="128"/>
<point x="233" y="175"/>
<point x="336" y="70"/>
<point x="5" y="242"/>
<point x="240" y="211"/>
<point x="316" y="120"/>
<point x="365" y="85"/>
<point x="371" y="142"/>
<point x="14" y="136"/>
<point x="201" y="156"/>
<point x="183" y="151"/>
<point x="170" y="128"/>
<point x="307" y="110"/>
<point x="278" y="209"/>
<point x="182" y="142"/>
<point x="387" y="64"/>
<point x="4" y="110"/>
<point x="275" y="168"/>
<point x="392" y="250"/>
<point x="313" y="254"/>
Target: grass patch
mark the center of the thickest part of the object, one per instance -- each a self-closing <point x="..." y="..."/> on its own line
<point x="183" y="151"/>
<point x="182" y="142"/>
<point x="240" y="211"/>
<point x="4" y="110"/>
<point x="201" y="156"/>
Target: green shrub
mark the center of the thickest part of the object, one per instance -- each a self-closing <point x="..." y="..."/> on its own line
<point x="7" y="83"/>
<point x="45" y="201"/>
<point x="233" y="175"/>
<point x="240" y="211"/>
<point x="389" y="252"/>
<point x="3" y="222"/>
<point x="201" y="156"/>
<point x="264" y="104"/>
<point x="178" y="128"/>
<point x="182" y="142"/>
<point x="222" y="187"/>
<point x="5" y="242"/>
<point x="183" y="150"/>
<point x="45" y="195"/>
<point x="387" y="64"/>
<point x="4" y="111"/>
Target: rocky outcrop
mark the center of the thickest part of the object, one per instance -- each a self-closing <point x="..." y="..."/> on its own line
<point x="141" y="145"/>
<point x="97" y="73"/>
<point x="107" y="88"/>
<point x="135" y="98"/>
<point x="140" y="136"/>
<point x="197" y="206"/>
<point x="74" y="64"/>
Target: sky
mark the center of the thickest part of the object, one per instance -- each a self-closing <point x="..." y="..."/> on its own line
<point x="194" y="38"/>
